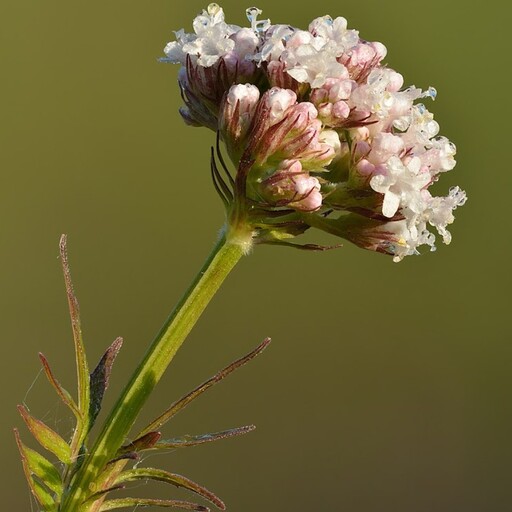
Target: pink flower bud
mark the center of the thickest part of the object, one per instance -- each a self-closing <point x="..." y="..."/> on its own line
<point x="384" y="237"/>
<point x="279" y="77"/>
<point x="284" y="129"/>
<point x="204" y="87"/>
<point x="196" y="111"/>
<point x="331" y="100"/>
<point x="278" y="101"/>
<point x="291" y="186"/>
<point x="236" y="116"/>
<point x="362" y="59"/>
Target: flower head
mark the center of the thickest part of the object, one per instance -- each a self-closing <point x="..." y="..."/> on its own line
<point x="321" y="132"/>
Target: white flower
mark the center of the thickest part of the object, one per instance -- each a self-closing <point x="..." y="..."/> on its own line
<point x="316" y="121"/>
<point x="210" y="42"/>
<point x="274" y="43"/>
<point x="335" y="38"/>
<point x="308" y="64"/>
<point x="384" y="146"/>
<point x="377" y="95"/>
<point x="440" y="211"/>
<point x="312" y="57"/>
<point x="421" y="126"/>
<point x="401" y="185"/>
<point x="441" y="156"/>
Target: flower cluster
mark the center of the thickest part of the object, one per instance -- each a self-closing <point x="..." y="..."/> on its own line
<point x="321" y="132"/>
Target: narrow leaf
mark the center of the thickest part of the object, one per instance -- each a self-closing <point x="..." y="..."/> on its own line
<point x="44" y="498"/>
<point x="40" y="493"/>
<point x="46" y="437"/>
<point x="81" y="360"/>
<point x="305" y="247"/>
<point x="188" y="440"/>
<point x="63" y="394"/>
<point x="170" y="478"/>
<point x="145" y="442"/>
<point x="124" y="456"/>
<point x="99" y="379"/>
<point x="40" y="466"/>
<point x="183" y="402"/>
<point x="140" y="502"/>
<point x="101" y="494"/>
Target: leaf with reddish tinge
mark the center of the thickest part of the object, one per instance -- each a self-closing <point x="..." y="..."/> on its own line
<point x="44" y="498"/>
<point x="82" y="366"/>
<point x="41" y="493"/>
<point x="100" y="377"/>
<point x="188" y="440"/>
<point x="46" y="437"/>
<point x="101" y="494"/>
<point x="170" y="478"/>
<point x="183" y="402"/>
<point x="63" y="394"/>
<point x="140" y="502"/>
<point x="40" y="466"/>
<point x="145" y="442"/>
<point x="124" y="456"/>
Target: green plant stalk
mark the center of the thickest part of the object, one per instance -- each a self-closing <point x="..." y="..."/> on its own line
<point x="117" y="426"/>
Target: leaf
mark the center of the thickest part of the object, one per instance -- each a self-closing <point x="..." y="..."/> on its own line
<point x="183" y="402"/>
<point x="140" y="502"/>
<point x="188" y="440"/>
<point x="46" y="437"/>
<point x="41" y="493"/>
<point x="81" y="359"/>
<point x="124" y="456"/>
<point x="145" y="442"/>
<point x="44" y="498"/>
<point x="101" y="494"/>
<point x="304" y="247"/>
<point x="99" y="379"/>
<point x="63" y="394"/>
<point x="170" y="478"/>
<point x="40" y="466"/>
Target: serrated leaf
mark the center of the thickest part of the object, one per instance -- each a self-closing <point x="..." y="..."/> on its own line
<point x="40" y="493"/>
<point x="183" y="402"/>
<point x="40" y="466"/>
<point x="81" y="359"/>
<point x="99" y="379"/>
<point x="140" y="502"/>
<point x="63" y="394"/>
<point x="170" y="478"/>
<point x="189" y="440"/>
<point x="46" y="437"/>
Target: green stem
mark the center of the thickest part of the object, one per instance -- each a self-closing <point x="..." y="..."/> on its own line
<point x="117" y="426"/>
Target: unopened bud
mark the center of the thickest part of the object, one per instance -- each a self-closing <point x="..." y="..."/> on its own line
<point x="236" y="115"/>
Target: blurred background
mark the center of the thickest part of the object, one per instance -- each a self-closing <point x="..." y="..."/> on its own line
<point x="387" y="387"/>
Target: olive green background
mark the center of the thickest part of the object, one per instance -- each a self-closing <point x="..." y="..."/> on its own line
<point x="387" y="387"/>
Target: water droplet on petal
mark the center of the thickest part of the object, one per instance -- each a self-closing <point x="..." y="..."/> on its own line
<point x="214" y="9"/>
<point x="252" y="15"/>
